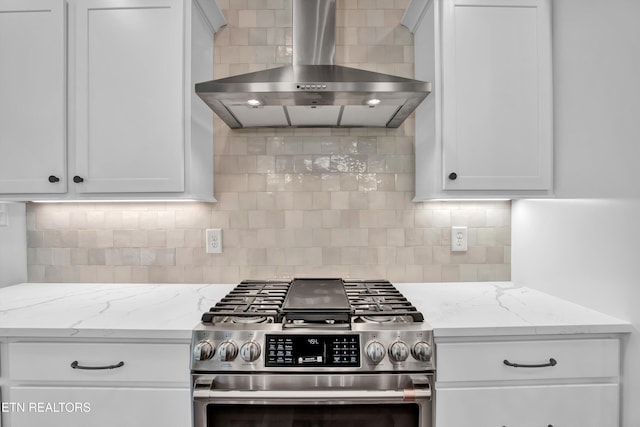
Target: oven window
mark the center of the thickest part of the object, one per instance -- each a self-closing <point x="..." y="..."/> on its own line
<point x="362" y="415"/>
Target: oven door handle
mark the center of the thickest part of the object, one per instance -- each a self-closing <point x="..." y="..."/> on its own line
<point x="410" y="394"/>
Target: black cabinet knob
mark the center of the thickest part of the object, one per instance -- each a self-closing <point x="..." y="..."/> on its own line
<point x="453" y="176"/>
<point x="53" y="179"/>
<point x="78" y="179"/>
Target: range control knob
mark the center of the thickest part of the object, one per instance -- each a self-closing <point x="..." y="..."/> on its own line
<point x="250" y="351"/>
<point x="375" y="352"/>
<point x="228" y="351"/>
<point x="421" y="351"/>
<point x="204" y="350"/>
<point x="399" y="351"/>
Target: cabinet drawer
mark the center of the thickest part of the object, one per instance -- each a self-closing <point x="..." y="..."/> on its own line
<point x="142" y="362"/>
<point x="484" y="361"/>
<point x="558" y="406"/>
<point x="101" y="407"/>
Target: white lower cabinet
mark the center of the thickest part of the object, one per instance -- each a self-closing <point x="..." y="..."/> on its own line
<point x="584" y="405"/>
<point x="568" y="381"/>
<point x="140" y="362"/>
<point x="97" y="384"/>
<point x="485" y="361"/>
<point x="101" y="407"/>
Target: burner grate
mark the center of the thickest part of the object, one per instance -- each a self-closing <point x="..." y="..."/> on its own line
<point x="250" y="299"/>
<point x="378" y="298"/>
<point x="254" y="300"/>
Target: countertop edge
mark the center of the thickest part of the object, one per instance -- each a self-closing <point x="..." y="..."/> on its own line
<point x="185" y="335"/>
<point x="504" y="331"/>
<point x="110" y="334"/>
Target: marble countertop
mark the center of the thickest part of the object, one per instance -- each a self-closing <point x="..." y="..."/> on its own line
<point x="170" y="311"/>
<point x="503" y="308"/>
<point x="165" y="311"/>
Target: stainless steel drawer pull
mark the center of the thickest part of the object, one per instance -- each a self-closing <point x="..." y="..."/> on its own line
<point x="75" y="365"/>
<point x="552" y="362"/>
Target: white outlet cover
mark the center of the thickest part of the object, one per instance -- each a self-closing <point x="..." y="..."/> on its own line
<point x="459" y="241"/>
<point x="213" y="240"/>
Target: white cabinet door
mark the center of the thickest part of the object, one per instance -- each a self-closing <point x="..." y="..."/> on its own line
<point x="497" y="95"/>
<point x="101" y="407"/>
<point x="128" y="105"/>
<point x="484" y="361"/>
<point x="28" y="365"/>
<point x="537" y="406"/>
<point x="32" y="96"/>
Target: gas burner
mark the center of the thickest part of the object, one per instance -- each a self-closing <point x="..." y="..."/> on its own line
<point x="309" y="323"/>
<point x="383" y="317"/>
<point x="251" y="320"/>
<point x="376" y="319"/>
<point x="379" y="313"/>
<point x="230" y="318"/>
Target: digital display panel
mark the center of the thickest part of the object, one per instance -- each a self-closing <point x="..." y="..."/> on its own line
<point x="312" y="350"/>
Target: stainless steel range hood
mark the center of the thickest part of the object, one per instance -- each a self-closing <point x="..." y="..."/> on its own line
<point x="313" y="92"/>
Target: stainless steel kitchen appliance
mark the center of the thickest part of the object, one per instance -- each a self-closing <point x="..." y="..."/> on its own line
<point x="313" y="91"/>
<point x="312" y="352"/>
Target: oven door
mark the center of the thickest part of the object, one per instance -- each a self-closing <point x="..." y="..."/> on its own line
<point x="390" y="400"/>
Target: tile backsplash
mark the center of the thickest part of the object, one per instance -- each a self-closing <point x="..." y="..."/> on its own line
<point x="268" y="234"/>
<point x="330" y="202"/>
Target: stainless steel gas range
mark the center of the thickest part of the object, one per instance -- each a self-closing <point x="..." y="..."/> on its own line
<point x="312" y="353"/>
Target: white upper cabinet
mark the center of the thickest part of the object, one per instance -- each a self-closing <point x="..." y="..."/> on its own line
<point x="32" y="96"/>
<point x="136" y="129"/>
<point x="128" y="109"/>
<point x="487" y="128"/>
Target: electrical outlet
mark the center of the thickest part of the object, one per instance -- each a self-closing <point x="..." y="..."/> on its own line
<point x="213" y="240"/>
<point x="458" y="239"/>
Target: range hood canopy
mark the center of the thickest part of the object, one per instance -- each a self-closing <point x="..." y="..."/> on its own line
<point x="313" y="92"/>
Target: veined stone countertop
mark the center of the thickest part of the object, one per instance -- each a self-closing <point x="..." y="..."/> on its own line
<point x="100" y="310"/>
<point x="503" y="308"/>
<point x="170" y="311"/>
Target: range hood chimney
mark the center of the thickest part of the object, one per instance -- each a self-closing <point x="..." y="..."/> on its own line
<point x="314" y="32"/>
<point x="313" y="91"/>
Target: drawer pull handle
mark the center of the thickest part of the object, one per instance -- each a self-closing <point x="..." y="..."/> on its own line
<point x="552" y="362"/>
<point x="75" y="365"/>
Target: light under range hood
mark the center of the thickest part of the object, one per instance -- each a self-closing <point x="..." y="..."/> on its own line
<point x="313" y="92"/>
